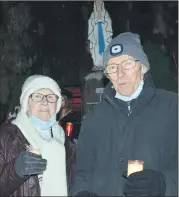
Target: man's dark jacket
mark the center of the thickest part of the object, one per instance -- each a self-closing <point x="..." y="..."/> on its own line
<point x="110" y="136"/>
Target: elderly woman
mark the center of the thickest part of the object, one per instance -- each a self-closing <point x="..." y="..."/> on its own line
<point x="32" y="153"/>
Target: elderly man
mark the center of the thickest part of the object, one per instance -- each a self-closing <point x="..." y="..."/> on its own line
<point x="135" y="121"/>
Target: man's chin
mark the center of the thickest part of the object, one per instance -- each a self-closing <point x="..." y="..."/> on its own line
<point x="123" y="92"/>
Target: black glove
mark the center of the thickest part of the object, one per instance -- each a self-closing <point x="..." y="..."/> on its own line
<point x="28" y="163"/>
<point x="86" y="194"/>
<point x="145" y="183"/>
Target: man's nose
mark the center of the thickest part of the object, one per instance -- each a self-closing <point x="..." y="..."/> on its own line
<point x="120" y="71"/>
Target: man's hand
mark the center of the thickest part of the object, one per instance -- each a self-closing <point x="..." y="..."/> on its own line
<point x="145" y="183"/>
<point x="86" y="194"/>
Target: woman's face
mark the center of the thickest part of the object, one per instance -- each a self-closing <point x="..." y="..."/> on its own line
<point x="99" y="5"/>
<point x="42" y="104"/>
<point x="63" y="102"/>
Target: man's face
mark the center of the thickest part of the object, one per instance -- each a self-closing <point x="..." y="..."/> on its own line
<point x="127" y="77"/>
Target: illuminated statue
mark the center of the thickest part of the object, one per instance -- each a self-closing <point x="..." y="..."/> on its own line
<point x="99" y="33"/>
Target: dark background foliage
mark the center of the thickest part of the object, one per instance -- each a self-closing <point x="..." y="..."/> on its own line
<point x="57" y="35"/>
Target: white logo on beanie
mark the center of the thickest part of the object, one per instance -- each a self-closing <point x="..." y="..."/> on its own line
<point x="116" y="49"/>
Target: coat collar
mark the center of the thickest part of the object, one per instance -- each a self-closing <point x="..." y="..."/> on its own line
<point x="137" y="104"/>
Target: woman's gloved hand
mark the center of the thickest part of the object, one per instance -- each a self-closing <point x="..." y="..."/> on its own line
<point x="28" y="163"/>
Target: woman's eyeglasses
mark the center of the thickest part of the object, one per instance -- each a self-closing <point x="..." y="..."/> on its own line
<point x="37" y="97"/>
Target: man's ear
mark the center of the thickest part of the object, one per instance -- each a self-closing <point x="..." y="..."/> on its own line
<point x="144" y="69"/>
<point x="106" y="75"/>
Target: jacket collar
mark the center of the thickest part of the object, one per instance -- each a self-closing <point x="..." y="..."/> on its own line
<point x="137" y="104"/>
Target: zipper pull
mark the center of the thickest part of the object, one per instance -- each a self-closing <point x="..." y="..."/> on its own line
<point x="129" y="108"/>
<point x="51" y="132"/>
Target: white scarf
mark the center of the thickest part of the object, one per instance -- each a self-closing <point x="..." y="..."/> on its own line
<point x="54" y="181"/>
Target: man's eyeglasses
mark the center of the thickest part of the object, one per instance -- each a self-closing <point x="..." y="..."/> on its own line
<point x="125" y="65"/>
<point x="37" y="97"/>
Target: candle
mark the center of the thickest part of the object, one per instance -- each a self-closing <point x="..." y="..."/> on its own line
<point x="69" y="128"/>
<point x="135" y="166"/>
<point x="33" y="150"/>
